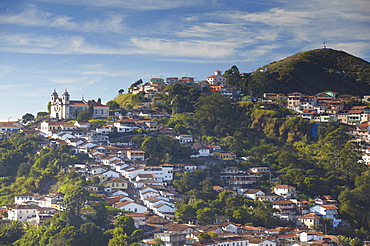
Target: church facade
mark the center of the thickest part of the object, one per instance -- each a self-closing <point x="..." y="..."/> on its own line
<point x="64" y="108"/>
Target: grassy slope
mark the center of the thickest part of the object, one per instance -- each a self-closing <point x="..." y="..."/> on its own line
<point x="304" y="72"/>
<point x="125" y="100"/>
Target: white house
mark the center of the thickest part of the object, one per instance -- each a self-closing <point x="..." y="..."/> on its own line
<point x="86" y="147"/>
<point x="11" y="126"/>
<point x="153" y="203"/>
<point x="260" y="242"/>
<point x="202" y="152"/>
<point x="148" y="193"/>
<point x="259" y="169"/>
<point x="184" y="138"/>
<point x="310" y="236"/>
<point x="104" y="130"/>
<point x="327" y="211"/>
<point x="217" y="79"/>
<point x="135" y="155"/>
<point x="252" y="193"/>
<point x="285" y="191"/>
<point x="131" y="206"/>
<point x="229" y="227"/>
<point x="22" y="212"/>
<point x="163" y="208"/>
<point x="25" y="197"/>
<point x="162" y="173"/>
<point x="82" y="124"/>
<point x="98" y="170"/>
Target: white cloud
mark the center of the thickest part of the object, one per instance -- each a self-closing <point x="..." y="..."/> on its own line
<point x="61" y="80"/>
<point x="137" y="5"/>
<point x="32" y="16"/>
<point x="173" y="48"/>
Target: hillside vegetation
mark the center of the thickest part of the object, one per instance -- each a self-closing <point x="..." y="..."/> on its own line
<point x="314" y="71"/>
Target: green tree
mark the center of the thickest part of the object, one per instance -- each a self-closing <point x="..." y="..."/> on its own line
<point x="356" y="242"/>
<point x="233" y="77"/>
<point x="41" y="115"/>
<point x="11" y="232"/>
<point x="31" y="237"/>
<point x="68" y="236"/>
<point x="125" y="233"/>
<point x="214" y="115"/>
<point x="84" y="116"/>
<point x="354" y="205"/>
<point x="112" y="104"/>
<point x="185" y="213"/>
<point x="204" y="236"/>
<point x="75" y="199"/>
<point x="136" y="84"/>
<point x="127" y="224"/>
<point x="28" y="118"/>
<point x="206" y="216"/>
<point x="92" y="235"/>
<point x="23" y="169"/>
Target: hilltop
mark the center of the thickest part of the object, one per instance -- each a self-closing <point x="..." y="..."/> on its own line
<point x="314" y="71"/>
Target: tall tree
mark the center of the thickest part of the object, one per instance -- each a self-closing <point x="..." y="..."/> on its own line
<point x="233" y="77"/>
<point x="28" y="118"/>
<point x="75" y="199"/>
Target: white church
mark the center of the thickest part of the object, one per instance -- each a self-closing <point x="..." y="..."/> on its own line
<point x="64" y="108"/>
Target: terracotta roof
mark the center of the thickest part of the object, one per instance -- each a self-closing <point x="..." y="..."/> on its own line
<point x="121" y="204"/>
<point x="284" y="187"/>
<point x="282" y="202"/>
<point x="252" y="191"/>
<point x="329" y="206"/>
<point x="136" y="215"/>
<point x="28" y="194"/>
<point x="310" y="216"/>
<point x="176" y="227"/>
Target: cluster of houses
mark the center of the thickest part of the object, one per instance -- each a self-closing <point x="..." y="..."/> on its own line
<point x="153" y="216"/>
<point x="124" y="180"/>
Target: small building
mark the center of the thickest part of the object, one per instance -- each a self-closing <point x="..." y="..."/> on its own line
<point x="285" y="191"/>
<point x="310" y="220"/>
<point x="136" y="155"/>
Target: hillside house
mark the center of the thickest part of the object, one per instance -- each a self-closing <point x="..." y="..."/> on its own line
<point x="10" y="127"/>
<point x="225" y="155"/>
<point x="217" y="79"/>
<point x="327" y="211"/>
<point x="310" y="220"/>
<point x="285" y="191"/>
<point x="116" y="183"/>
<point x="135" y="155"/>
<point x="22" y="212"/>
<point x="131" y="206"/>
<point x="184" y="138"/>
<point x="285" y="207"/>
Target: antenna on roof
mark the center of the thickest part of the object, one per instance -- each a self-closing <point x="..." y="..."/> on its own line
<point x="324" y="45"/>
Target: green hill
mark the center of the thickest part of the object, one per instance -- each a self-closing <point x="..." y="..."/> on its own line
<point x="315" y="71"/>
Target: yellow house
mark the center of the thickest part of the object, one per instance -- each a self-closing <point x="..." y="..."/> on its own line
<point x="311" y="220"/>
<point x="117" y="183"/>
<point x="224" y="155"/>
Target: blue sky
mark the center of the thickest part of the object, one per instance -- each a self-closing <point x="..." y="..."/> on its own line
<point x="96" y="47"/>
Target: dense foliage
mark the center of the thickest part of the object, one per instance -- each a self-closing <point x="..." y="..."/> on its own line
<point x="325" y="163"/>
<point x="314" y="71"/>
